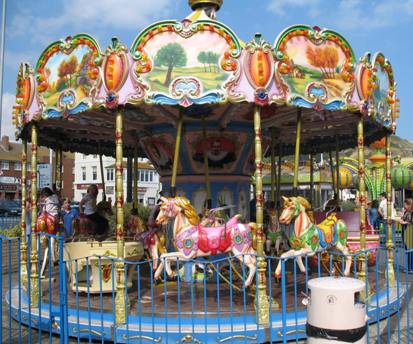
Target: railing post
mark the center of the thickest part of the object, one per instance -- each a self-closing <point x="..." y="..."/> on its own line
<point x="121" y="299"/>
<point x="63" y="295"/>
<point x="262" y="302"/>
<point x="34" y="273"/>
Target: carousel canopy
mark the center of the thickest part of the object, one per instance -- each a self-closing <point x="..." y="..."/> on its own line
<point x="199" y="69"/>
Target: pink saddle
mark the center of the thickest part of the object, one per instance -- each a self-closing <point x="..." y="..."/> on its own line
<point x="216" y="239"/>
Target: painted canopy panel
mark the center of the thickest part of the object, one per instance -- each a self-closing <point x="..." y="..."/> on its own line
<point x="315" y="67"/>
<point x="186" y="63"/>
<point x="67" y="74"/>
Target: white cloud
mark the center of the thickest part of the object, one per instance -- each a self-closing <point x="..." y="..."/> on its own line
<point x="7" y="128"/>
<point x="349" y="15"/>
<point x="83" y="16"/>
<point x="280" y="7"/>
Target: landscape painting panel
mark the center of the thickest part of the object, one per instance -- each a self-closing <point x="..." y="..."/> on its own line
<point x="68" y="71"/>
<point x="174" y="56"/>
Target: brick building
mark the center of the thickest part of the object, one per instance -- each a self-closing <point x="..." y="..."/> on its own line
<point x="10" y="168"/>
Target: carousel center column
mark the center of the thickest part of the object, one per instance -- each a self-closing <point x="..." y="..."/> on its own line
<point x="34" y="270"/>
<point x="121" y="299"/>
<point x="263" y="303"/>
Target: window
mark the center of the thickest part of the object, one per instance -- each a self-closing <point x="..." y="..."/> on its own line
<point x="95" y="156"/>
<point x="110" y="190"/>
<point x="94" y="173"/>
<point x="83" y="173"/>
<point x="151" y="201"/>
<point x="83" y="156"/>
<point x="4" y="165"/>
<point x="151" y="176"/>
<point x="17" y="166"/>
<point x="110" y="174"/>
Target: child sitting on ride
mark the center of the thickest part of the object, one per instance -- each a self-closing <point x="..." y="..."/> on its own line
<point x="48" y="219"/>
<point x="98" y="224"/>
<point x="70" y="219"/>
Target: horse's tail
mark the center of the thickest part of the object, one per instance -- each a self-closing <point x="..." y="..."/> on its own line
<point x="253" y="227"/>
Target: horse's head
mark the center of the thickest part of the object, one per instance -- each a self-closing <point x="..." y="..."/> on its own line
<point x="172" y="207"/>
<point x="167" y="210"/>
<point x="104" y="208"/>
<point x="292" y="208"/>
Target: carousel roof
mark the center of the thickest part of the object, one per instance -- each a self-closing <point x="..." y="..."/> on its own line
<point x="199" y="69"/>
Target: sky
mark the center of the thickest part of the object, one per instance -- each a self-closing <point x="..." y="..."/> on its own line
<point x="369" y="26"/>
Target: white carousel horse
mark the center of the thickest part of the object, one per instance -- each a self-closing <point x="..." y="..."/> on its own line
<point x="194" y="240"/>
<point x="308" y="237"/>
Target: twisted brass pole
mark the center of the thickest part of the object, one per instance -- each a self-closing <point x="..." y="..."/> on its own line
<point x="312" y="179"/>
<point x="263" y="304"/>
<point x="273" y="170"/>
<point x="121" y="299"/>
<point x="34" y="271"/>
<point x="176" y="154"/>
<point x="297" y="152"/>
<point x="23" y="247"/>
<point x="337" y="170"/>
<point x="389" y="242"/>
<point x="362" y="197"/>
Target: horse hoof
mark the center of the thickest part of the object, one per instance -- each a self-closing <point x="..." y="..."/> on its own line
<point x="277" y="278"/>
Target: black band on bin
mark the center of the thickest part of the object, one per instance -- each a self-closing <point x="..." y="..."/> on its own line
<point x="348" y="336"/>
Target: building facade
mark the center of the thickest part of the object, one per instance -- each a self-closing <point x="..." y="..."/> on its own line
<point x="11" y="169"/>
<point x="87" y="171"/>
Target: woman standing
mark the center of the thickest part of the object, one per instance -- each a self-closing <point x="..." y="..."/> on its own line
<point x="406" y="217"/>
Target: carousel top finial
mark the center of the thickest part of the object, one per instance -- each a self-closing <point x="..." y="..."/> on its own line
<point x="210" y="6"/>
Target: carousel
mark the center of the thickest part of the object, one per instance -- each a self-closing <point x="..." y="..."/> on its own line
<point x="205" y="108"/>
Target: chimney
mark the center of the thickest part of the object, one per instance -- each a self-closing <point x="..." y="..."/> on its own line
<point x="5" y="143"/>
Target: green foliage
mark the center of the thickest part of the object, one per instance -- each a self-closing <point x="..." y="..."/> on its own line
<point x="11" y="232"/>
<point x="348" y="205"/>
<point x="143" y="213"/>
<point x="210" y="58"/>
<point x="171" y="55"/>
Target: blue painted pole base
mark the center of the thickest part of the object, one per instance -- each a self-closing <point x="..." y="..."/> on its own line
<point x="188" y="276"/>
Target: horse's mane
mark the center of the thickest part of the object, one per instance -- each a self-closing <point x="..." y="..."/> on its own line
<point x="189" y="211"/>
<point x="307" y="207"/>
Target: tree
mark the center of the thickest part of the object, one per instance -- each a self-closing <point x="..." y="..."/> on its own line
<point x="170" y="55"/>
<point x="67" y="68"/>
<point x="324" y="58"/>
<point x="202" y="58"/>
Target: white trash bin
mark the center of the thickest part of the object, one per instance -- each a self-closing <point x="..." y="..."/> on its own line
<point x="335" y="313"/>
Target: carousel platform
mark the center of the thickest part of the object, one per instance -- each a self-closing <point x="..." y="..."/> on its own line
<point x="200" y="311"/>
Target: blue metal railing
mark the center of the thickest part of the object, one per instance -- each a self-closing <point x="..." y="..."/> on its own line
<point x="204" y="301"/>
